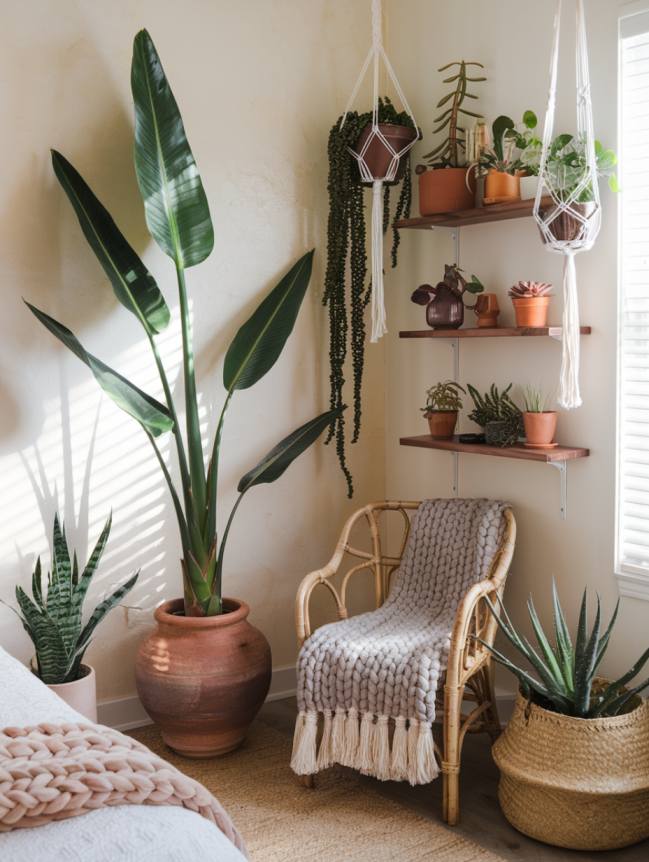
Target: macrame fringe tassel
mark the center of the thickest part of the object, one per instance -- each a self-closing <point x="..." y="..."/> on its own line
<point x="303" y="760"/>
<point x="350" y="750"/>
<point x="381" y="749"/>
<point x="325" y="754"/>
<point x="399" y="764"/>
<point x="338" y="736"/>
<point x="379" y="326"/>
<point x="364" y="761"/>
<point x="569" y="396"/>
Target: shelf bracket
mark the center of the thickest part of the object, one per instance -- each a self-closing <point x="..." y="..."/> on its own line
<point x="562" y="467"/>
<point x="456" y="474"/>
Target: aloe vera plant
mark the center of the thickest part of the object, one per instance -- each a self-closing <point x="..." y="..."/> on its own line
<point x="178" y="218"/>
<point x="566" y="673"/>
<point x="53" y="618"/>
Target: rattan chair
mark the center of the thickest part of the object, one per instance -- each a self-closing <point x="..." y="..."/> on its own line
<point x="468" y="675"/>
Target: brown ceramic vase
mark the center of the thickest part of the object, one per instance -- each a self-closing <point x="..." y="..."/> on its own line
<point x="203" y="679"/>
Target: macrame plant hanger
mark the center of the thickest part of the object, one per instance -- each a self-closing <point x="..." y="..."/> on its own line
<point x="375" y="55"/>
<point x="568" y="226"/>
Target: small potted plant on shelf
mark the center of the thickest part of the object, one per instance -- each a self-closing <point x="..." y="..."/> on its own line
<point x="529" y="144"/>
<point x="500" y="164"/>
<point x="444" y="302"/>
<point x="531" y="300"/>
<point x="497" y="414"/>
<point x="574" y="758"/>
<point x="540" y="424"/>
<point x="53" y="619"/>
<point x="443" y="403"/>
<point x="445" y="184"/>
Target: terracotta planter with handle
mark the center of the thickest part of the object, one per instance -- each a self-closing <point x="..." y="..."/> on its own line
<point x="203" y="679"/>
<point x="445" y="190"/>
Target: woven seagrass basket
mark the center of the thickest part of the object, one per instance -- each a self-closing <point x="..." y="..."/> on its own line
<point x="575" y="782"/>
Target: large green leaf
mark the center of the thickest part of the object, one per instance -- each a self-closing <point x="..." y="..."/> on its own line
<point x="275" y="462"/>
<point x="175" y="204"/>
<point x="132" y="282"/>
<point x="258" y="344"/>
<point x="149" y="412"/>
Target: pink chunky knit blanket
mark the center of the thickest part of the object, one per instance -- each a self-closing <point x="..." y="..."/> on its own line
<point x="55" y="771"/>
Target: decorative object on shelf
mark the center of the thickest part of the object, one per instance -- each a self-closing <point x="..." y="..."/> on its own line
<point x="531" y="300"/>
<point x="447" y="182"/>
<point x="525" y="138"/>
<point x="443" y="403"/>
<point x="500" y="165"/>
<point x="574" y="759"/>
<point x="444" y="302"/>
<point x="540" y="424"/>
<point x="497" y="414"/>
<point x="53" y="619"/>
<point x="487" y="310"/>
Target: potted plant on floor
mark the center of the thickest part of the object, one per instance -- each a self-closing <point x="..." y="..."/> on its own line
<point x="540" y="424"/>
<point x="531" y="300"/>
<point x="205" y="671"/>
<point x="53" y="619"/>
<point x="443" y="403"/>
<point x="445" y="302"/>
<point x="497" y="414"/>
<point x="500" y="164"/>
<point x="574" y="758"/>
<point x="445" y="182"/>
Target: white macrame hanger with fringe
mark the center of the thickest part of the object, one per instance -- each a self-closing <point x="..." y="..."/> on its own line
<point x="374" y="57"/>
<point x="567" y="226"/>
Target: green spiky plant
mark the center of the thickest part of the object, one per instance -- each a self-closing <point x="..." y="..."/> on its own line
<point x="53" y="618"/>
<point x="178" y="219"/>
<point x="496" y="406"/>
<point x="566" y="680"/>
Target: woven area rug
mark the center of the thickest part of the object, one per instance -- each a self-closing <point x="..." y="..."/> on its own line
<point x="344" y="818"/>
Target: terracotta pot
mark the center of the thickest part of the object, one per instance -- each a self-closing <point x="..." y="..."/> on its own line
<point x="442" y="423"/>
<point x="444" y="190"/>
<point x="540" y="428"/>
<point x="501" y="187"/>
<point x="80" y="694"/>
<point x="203" y="679"/>
<point x="446" y="310"/>
<point x="531" y="311"/>
<point x="378" y="157"/>
<point x="487" y="310"/>
<point x="565" y="227"/>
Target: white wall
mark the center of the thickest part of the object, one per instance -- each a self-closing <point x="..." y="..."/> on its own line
<point x="259" y="85"/>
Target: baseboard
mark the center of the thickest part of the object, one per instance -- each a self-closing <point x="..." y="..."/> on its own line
<point x="125" y="713"/>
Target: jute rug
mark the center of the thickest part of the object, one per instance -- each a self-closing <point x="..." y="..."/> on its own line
<point x="344" y="818"/>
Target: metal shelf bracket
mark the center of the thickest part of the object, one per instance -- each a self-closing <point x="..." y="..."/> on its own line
<point x="562" y="467"/>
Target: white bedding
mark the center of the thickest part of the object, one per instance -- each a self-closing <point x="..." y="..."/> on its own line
<point x="129" y="833"/>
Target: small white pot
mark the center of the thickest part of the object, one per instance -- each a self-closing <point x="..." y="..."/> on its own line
<point x="80" y="694"/>
<point x="529" y="185"/>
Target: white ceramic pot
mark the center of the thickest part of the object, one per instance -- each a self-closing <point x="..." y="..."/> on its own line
<point x="80" y="694"/>
<point x="529" y="185"/>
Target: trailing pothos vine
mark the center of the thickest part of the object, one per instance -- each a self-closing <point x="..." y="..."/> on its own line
<point x="347" y="298"/>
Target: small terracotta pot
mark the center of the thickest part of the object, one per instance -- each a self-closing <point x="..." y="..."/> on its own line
<point x="80" y="694"/>
<point x="487" y="310"/>
<point x="531" y="311"/>
<point x="501" y="187"/>
<point x="203" y="679"/>
<point x="442" y="423"/>
<point x="540" y="428"/>
<point x="565" y="227"/>
<point x="378" y="157"/>
<point x="444" y="190"/>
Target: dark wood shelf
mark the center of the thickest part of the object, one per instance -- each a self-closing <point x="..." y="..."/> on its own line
<point x="496" y="332"/>
<point x="477" y="215"/>
<point x="520" y="452"/>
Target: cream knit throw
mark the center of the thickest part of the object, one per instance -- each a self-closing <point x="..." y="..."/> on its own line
<point x="378" y="672"/>
<point x="52" y="772"/>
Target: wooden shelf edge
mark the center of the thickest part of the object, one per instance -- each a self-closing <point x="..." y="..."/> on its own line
<point x="476" y="215"/>
<point x="518" y="452"/>
<point x="496" y="332"/>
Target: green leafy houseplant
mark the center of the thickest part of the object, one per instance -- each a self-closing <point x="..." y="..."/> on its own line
<point x="567" y="165"/>
<point x="178" y="219"/>
<point x="53" y="619"/>
<point x="443" y="396"/>
<point x="566" y="674"/>
<point x="502" y="156"/>
<point x="497" y="407"/>
<point x="347" y="247"/>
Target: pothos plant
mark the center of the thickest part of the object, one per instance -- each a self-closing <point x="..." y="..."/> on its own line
<point x="347" y="247"/>
<point x="178" y="219"/>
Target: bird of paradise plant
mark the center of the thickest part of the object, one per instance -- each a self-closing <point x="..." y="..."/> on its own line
<point x="178" y="219"/>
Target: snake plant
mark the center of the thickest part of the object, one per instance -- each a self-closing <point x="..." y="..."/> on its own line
<point x="566" y="673"/>
<point x="54" y="619"/>
<point x="178" y="219"/>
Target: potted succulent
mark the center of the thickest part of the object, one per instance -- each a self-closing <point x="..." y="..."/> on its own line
<point x="500" y="164"/>
<point x="445" y="182"/>
<point x="53" y="619"/>
<point x="444" y="302"/>
<point x="443" y="403"/>
<point x="540" y="424"/>
<point x="531" y="300"/>
<point x="574" y="758"/>
<point x="216" y="668"/>
<point x="497" y="414"/>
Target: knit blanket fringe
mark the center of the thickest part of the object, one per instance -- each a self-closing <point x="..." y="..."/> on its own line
<point x="390" y="749"/>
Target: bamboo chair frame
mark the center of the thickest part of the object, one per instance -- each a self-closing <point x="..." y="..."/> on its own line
<point x="469" y="672"/>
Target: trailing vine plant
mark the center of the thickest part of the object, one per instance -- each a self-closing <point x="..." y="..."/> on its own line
<point x="347" y="247"/>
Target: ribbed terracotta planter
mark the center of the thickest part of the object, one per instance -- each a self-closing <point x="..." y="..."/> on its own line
<point x="441" y="423"/>
<point x="203" y="679"/>
<point x="445" y="190"/>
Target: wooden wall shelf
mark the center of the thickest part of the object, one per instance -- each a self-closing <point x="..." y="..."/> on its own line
<point x="497" y="332"/>
<point x="477" y="215"/>
<point x="519" y="452"/>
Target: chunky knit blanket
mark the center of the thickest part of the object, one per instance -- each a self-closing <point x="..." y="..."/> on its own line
<point x="371" y="681"/>
<point x="55" y="771"/>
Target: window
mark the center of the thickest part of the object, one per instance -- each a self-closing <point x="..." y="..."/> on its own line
<point x="632" y="551"/>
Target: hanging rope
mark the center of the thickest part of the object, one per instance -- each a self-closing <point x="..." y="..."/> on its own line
<point x="570" y="225"/>
<point x="374" y="57"/>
